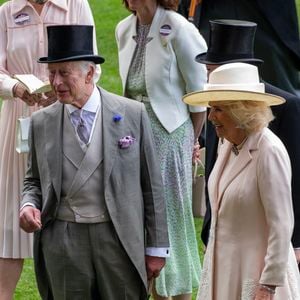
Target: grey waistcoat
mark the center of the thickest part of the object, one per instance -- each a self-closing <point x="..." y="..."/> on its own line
<point x="82" y="196"/>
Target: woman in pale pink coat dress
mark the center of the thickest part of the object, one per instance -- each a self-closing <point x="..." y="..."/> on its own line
<point x="249" y="255"/>
<point x="22" y="41"/>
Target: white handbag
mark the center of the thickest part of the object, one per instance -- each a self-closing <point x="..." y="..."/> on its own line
<point x="22" y="132"/>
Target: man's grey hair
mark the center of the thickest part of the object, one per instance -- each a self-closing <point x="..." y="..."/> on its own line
<point x="84" y="66"/>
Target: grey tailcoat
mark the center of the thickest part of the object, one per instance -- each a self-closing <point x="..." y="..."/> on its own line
<point x="132" y="181"/>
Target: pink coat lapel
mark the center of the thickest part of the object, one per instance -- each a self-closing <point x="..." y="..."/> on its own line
<point x="241" y="161"/>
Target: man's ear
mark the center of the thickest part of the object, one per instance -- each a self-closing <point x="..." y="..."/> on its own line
<point x="90" y="74"/>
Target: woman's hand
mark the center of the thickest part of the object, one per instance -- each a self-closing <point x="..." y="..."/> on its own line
<point x="263" y="293"/>
<point x="20" y="91"/>
<point x="196" y="153"/>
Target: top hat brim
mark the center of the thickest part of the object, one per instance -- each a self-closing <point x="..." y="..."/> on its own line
<point x="94" y="58"/>
<point x="203" y="98"/>
<point x="204" y="59"/>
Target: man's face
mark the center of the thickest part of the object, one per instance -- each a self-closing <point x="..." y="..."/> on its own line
<point x="211" y="68"/>
<point x="70" y="83"/>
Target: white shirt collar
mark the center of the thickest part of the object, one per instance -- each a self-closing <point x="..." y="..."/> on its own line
<point x="92" y="105"/>
<point x="20" y="4"/>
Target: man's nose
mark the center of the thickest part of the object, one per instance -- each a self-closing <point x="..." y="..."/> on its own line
<point x="56" y="79"/>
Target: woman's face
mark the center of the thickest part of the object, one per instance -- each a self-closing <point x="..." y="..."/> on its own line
<point x="224" y="125"/>
<point x="136" y="5"/>
<point x="38" y="1"/>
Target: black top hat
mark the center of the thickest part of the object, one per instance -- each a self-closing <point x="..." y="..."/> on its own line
<point x="70" y="43"/>
<point x="230" y="41"/>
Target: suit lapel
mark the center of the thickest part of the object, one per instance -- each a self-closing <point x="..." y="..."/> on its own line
<point x="128" y="52"/>
<point x="112" y="131"/>
<point x="53" y="125"/>
<point x="131" y="45"/>
<point x="156" y="22"/>
<point x="241" y="162"/>
<point x="214" y="178"/>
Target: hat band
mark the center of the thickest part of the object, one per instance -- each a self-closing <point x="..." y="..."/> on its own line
<point x="64" y="54"/>
<point x="226" y="57"/>
<point x="249" y="87"/>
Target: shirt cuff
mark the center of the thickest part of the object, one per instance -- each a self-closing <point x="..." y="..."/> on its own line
<point x="196" y="109"/>
<point x="27" y="204"/>
<point x="7" y="87"/>
<point x="158" y="252"/>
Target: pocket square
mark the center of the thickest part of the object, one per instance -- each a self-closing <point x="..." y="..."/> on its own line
<point x="126" y="141"/>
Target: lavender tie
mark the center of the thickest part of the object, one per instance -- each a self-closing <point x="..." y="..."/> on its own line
<point x="80" y="126"/>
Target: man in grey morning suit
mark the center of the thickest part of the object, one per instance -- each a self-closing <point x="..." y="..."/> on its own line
<point x="92" y="192"/>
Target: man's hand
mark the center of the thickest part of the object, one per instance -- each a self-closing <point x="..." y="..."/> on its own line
<point x="154" y="265"/>
<point x="263" y="294"/>
<point x="30" y="219"/>
<point x="297" y="253"/>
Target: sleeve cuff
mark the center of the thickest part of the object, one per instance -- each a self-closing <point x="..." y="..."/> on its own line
<point x="158" y="252"/>
<point x="27" y="204"/>
<point x="196" y="109"/>
<point x="7" y="87"/>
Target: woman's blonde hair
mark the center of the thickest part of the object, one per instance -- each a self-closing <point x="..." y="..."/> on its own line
<point x="166" y="4"/>
<point x="250" y="116"/>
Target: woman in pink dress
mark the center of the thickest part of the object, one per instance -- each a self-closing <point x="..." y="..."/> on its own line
<point x="249" y="255"/>
<point x="22" y="41"/>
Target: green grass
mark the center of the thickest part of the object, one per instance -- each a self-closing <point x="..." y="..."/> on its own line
<point x="107" y="13"/>
<point x="26" y="288"/>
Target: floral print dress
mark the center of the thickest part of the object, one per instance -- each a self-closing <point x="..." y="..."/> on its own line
<point x="182" y="270"/>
